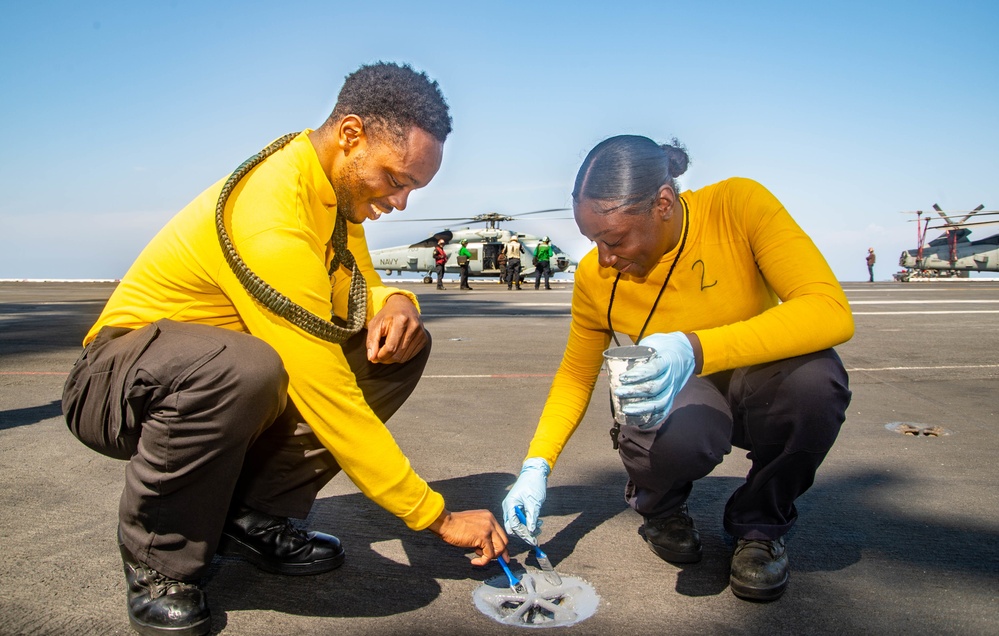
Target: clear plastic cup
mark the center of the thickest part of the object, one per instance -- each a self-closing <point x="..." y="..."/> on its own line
<point x="619" y="360"/>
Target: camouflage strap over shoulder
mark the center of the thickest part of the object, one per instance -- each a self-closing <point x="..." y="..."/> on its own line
<point x="357" y="303"/>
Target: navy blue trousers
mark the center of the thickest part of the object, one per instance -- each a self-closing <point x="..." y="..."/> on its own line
<point x="787" y="414"/>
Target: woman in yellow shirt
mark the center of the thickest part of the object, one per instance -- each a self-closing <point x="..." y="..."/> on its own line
<point x="742" y="311"/>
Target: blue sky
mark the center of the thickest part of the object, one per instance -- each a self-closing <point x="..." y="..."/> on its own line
<point x="116" y="114"/>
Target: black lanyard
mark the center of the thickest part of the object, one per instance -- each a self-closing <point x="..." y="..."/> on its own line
<point x="274" y="300"/>
<point x="676" y="259"/>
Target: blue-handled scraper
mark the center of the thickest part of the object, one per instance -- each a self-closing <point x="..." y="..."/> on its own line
<point x="546" y="565"/>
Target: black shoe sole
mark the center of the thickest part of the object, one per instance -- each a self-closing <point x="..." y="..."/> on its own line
<point x="200" y="628"/>
<point x="750" y="593"/>
<point x="231" y="546"/>
<point x="673" y="556"/>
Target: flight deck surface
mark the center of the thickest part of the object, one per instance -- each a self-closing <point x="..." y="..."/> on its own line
<point x="899" y="534"/>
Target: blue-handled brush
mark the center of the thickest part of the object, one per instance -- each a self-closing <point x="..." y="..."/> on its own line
<point x="546" y="565"/>
<point x="515" y="583"/>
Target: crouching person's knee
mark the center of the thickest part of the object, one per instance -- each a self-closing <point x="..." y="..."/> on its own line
<point x="821" y="385"/>
<point x="249" y="381"/>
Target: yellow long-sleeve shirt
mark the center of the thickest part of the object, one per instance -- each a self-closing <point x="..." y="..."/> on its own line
<point x="281" y="217"/>
<point x="749" y="283"/>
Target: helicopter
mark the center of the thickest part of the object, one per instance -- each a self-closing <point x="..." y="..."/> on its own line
<point x="484" y="244"/>
<point x="952" y="254"/>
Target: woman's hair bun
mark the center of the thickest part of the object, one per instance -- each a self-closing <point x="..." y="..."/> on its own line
<point x="677" y="156"/>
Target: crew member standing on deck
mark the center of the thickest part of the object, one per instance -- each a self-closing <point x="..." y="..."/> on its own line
<point x="742" y="312"/>
<point x="513" y="250"/>
<point x="501" y="264"/>
<point x="543" y="267"/>
<point x="464" y="256"/>
<point x="440" y="258"/>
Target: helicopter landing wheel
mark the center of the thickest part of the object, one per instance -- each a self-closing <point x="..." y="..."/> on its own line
<point x="427" y="280"/>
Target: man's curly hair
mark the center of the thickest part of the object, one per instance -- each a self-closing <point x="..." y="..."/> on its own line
<point x="394" y="98"/>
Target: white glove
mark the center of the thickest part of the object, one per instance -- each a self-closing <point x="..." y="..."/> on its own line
<point x="528" y="492"/>
<point x="650" y="387"/>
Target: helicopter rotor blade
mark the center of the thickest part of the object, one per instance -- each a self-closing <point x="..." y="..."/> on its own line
<point x="972" y="213"/>
<point x="540" y="212"/>
<point x="448" y="218"/>
<point x="481" y="218"/>
<point x="950" y="227"/>
<point x="980" y="211"/>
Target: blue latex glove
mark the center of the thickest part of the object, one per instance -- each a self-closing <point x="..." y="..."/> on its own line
<point x="650" y="387"/>
<point x="528" y="492"/>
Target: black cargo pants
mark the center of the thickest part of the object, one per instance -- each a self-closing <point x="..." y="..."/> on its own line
<point x="787" y="414"/>
<point x="513" y="272"/>
<point x="543" y="268"/>
<point x="202" y="416"/>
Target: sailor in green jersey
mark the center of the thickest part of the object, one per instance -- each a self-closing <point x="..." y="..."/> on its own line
<point x="543" y="254"/>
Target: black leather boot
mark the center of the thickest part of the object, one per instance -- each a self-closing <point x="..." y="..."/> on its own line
<point x="159" y="605"/>
<point x="674" y="538"/>
<point x="274" y="545"/>
<point x="759" y="569"/>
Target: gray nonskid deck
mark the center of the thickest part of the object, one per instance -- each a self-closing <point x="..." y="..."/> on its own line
<point x="899" y="535"/>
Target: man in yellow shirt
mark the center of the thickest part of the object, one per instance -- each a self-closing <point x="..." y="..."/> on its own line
<point x="742" y="311"/>
<point x="251" y="352"/>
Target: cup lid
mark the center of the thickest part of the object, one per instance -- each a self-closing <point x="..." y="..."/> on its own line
<point x="629" y="352"/>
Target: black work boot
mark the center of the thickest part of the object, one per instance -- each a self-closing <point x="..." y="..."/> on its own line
<point x="674" y="538"/>
<point x="759" y="569"/>
<point x="274" y="545"/>
<point x="159" y="605"/>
